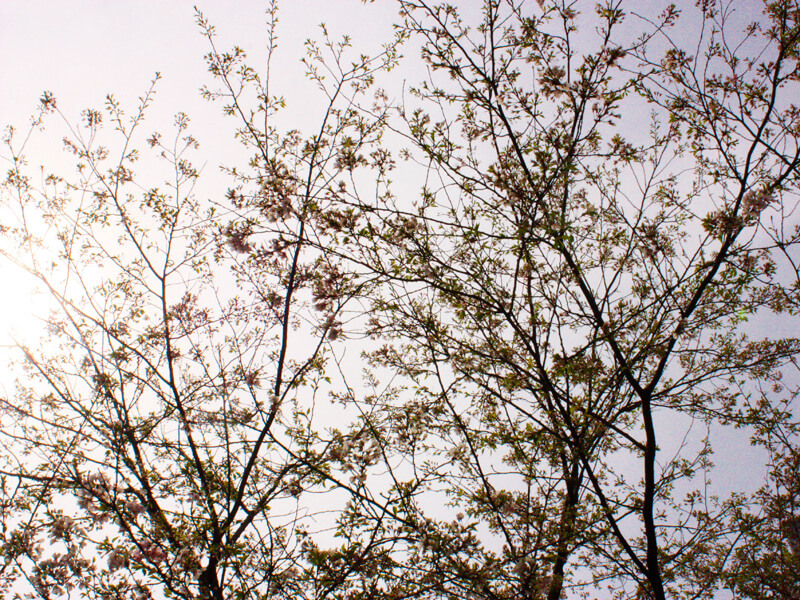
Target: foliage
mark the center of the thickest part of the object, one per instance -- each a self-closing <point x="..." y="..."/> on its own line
<point x="555" y="327"/>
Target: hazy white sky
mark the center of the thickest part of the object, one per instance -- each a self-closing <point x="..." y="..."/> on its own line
<point x="82" y="50"/>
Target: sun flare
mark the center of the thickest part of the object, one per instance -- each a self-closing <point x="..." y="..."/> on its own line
<point x="21" y="305"/>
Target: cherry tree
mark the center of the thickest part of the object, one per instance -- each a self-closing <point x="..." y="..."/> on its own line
<point x="556" y="256"/>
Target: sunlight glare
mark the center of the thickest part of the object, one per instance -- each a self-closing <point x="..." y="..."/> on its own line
<point x="21" y="306"/>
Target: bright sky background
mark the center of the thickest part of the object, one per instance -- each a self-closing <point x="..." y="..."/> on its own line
<point x="83" y="50"/>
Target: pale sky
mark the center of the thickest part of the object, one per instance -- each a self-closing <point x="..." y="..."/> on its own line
<point x="82" y="50"/>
